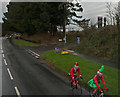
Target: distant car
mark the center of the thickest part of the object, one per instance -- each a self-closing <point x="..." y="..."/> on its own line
<point x="17" y="36"/>
<point x="64" y="52"/>
<point x="9" y="37"/>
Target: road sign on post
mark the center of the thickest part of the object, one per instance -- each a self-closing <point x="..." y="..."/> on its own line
<point x="78" y="40"/>
<point x="65" y="37"/>
<point x="104" y="21"/>
<point x="99" y="22"/>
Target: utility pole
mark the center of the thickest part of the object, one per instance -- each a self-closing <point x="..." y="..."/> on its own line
<point x="99" y="22"/>
<point x="64" y="21"/>
<point x="65" y="33"/>
<point x="104" y="21"/>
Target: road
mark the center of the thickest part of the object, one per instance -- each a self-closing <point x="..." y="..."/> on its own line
<point x="23" y="74"/>
<point x="0" y="67"/>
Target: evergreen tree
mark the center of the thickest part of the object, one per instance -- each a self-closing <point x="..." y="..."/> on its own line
<point x="31" y="17"/>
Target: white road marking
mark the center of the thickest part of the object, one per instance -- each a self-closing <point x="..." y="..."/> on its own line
<point x="3" y="55"/>
<point x="36" y="54"/>
<point x="33" y="53"/>
<point x="28" y="51"/>
<point x="5" y="62"/>
<point x="17" y="92"/>
<point x="75" y="54"/>
<point x="1" y="48"/>
<point x="37" y="57"/>
<point x="2" y="51"/>
<point x="10" y="74"/>
<point x="70" y="51"/>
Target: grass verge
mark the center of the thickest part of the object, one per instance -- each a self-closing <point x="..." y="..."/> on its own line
<point x="88" y="69"/>
<point x="24" y="43"/>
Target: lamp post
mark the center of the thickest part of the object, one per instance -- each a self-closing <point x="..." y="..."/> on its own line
<point x="65" y="33"/>
<point x="64" y="21"/>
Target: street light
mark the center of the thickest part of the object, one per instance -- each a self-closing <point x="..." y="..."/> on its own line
<point x="64" y="21"/>
<point x="65" y="32"/>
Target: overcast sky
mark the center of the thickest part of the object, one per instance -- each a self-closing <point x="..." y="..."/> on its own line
<point x="91" y="9"/>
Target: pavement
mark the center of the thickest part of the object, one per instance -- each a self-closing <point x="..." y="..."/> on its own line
<point x="24" y="75"/>
<point x="114" y="65"/>
<point x="0" y="67"/>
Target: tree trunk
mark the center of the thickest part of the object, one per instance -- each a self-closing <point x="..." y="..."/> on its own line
<point x="54" y="30"/>
<point x="64" y="27"/>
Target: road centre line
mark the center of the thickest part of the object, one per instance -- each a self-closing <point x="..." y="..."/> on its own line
<point x="10" y="74"/>
<point x="1" y="50"/>
<point x="3" y="55"/>
<point x="17" y="91"/>
<point x="5" y="62"/>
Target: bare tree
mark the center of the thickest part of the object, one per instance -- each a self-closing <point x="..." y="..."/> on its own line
<point x="109" y="12"/>
<point x="117" y="13"/>
<point x="113" y="13"/>
<point x="118" y="20"/>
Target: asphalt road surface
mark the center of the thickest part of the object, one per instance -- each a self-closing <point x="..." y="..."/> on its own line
<point x="23" y="74"/>
<point x="0" y="67"/>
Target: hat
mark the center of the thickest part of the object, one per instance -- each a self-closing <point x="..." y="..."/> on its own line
<point x="100" y="71"/>
<point x="76" y="65"/>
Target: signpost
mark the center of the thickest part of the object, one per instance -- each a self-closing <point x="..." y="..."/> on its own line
<point x="99" y="22"/>
<point x="104" y="21"/>
<point x="78" y="39"/>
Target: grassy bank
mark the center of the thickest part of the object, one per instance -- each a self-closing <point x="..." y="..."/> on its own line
<point x="88" y="69"/>
<point x="24" y="43"/>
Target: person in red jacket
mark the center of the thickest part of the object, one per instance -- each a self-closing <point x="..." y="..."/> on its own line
<point x="73" y="72"/>
<point x="95" y="82"/>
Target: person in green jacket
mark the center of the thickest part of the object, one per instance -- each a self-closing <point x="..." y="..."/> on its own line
<point x="95" y="82"/>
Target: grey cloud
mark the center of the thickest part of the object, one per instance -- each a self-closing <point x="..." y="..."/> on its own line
<point x="2" y="9"/>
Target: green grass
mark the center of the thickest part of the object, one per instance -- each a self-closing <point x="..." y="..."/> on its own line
<point x="88" y="69"/>
<point x="24" y="43"/>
